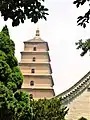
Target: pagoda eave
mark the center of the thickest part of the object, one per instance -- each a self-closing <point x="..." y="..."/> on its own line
<point x="36" y="52"/>
<point x="36" y="42"/>
<point x="39" y="75"/>
<point x="40" y="89"/>
<point x="42" y="75"/>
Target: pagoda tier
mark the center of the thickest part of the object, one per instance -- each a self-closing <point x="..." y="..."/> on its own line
<point x="36" y="68"/>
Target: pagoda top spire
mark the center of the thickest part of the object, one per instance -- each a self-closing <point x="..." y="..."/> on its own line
<point x="37" y="35"/>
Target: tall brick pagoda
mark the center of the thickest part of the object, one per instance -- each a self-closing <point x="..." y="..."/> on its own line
<point x="36" y="68"/>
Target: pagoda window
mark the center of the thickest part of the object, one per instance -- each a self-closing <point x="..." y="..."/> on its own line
<point x="32" y="70"/>
<point x="31" y="96"/>
<point x="31" y="83"/>
<point x="34" y="59"/>
<point x="34" y="48"/>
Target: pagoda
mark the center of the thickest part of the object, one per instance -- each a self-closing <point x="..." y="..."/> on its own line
<point x="36" y="69"/>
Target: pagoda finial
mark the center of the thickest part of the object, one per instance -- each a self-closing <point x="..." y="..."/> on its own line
<point x="37" y="33"/>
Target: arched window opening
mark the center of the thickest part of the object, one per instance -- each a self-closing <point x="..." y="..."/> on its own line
<point x="32" y="70"/>
<point x="31" y="83"/>
<point x="34" y="48"/>
<point x="34" y="59"/>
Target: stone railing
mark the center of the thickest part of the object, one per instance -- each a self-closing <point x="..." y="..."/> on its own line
<point x="75" y="90"/>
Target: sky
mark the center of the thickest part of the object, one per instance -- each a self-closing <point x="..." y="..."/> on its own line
<point x="61" y="32"/>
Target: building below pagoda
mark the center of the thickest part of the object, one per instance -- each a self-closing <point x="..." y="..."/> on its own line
<point x="77" y="99"/>
<point x="36" y="69"/>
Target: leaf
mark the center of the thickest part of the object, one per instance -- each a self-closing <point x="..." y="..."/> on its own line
<point x="14" y="10"/>
<point x="84" y="25"/>
<point x="77" y="5"/>
<point x="44" y="17"/>
<point x="75" y="2"/>
<point x="45" y="9"/>
<point x="83" y="1"/>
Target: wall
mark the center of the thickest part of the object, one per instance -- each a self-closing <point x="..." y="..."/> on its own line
<point x="80" y="107"/>
<point x="38" y="81"/>
<point x="40" y="57"/>
<point x="39" y="69"/>
<point x="39" y="46"/>
<point x="40" y="93"/>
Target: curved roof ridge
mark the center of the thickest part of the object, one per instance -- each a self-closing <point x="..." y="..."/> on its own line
<point x="75" y="86"/>
<point x="34" y="40"/>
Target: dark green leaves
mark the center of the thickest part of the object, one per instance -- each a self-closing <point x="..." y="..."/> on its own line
<point x="5" y="30"/>
<point x="6" y="103"/>
<point x="20" y="10"/>
<point x="85" y="46"/>
<point x="83" y="20"/>
<point x="6" y="44"/>
<point x="14" y="105"/>
<point x="80" y="2"/>
<point x="51" y="109"/>
<point x="10" y="74"/>
<point x="5" y="71"/>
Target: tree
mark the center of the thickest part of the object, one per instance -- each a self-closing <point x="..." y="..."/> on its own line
<point x="10" y="73"/>
<point x="14" y="104"/>
<point x="48" y="109"/>
<point x="20" y="10"/>
<point x="22" y="106"/>
<point x="6" y="103"/>
<point x="83" y="20"/>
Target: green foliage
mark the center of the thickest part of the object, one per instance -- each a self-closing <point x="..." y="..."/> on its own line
<point x="17" y="78"/>
<point x="82" y="118"/>
<point x="10" y="74"/>
<point x="85" y="46"/>
<point x="3" y="56"/>
<point x="22" y="106"/>
<point x="6" y="103"/>
<point x="20" y="10"/>
<point x="5" y="71"/>
<point x="14" y="105"/>
<point x="5" y="30"/>
<point x="6" y="44"/>
<point x="12" y="60"/>
<point x="48" y="109"/>
<point x="83" y="20"/>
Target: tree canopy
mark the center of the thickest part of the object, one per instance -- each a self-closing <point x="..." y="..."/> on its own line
<point x="14" y="104"/>
<point x="10" y="74"/>
<point x="83" y="20"/>
<point x="48" y="109"/>
<point x="85" y="46"/>
<point x="20" y="10"/>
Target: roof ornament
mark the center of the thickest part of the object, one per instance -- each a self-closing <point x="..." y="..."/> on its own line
<point x="37" y="35"/>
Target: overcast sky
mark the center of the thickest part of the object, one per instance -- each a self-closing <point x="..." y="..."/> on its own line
<point x="61" y="32"/>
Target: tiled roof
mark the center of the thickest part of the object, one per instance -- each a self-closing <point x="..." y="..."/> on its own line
<point x="35" y="40"/>
<point x="75" y="90"/>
